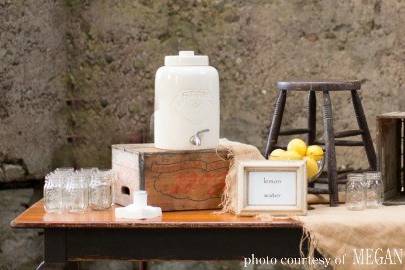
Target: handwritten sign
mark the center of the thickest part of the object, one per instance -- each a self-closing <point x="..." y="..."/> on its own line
<point x="276" y="187"/>
<point x="272" y="188"/>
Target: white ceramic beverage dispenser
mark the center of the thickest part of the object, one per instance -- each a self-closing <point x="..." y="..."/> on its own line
<point x="186" y="103"/>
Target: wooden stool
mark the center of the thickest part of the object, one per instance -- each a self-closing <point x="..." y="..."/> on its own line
<point x="329" y="135"/>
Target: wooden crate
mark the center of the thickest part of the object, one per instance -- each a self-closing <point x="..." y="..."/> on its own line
<point x="174" y="180"/>
<point x="390" y="144"/>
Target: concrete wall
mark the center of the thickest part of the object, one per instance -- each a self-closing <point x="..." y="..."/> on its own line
<point x="32" y="71"/>
<point x="77" y="76"/>
<point x="118" y="45"/>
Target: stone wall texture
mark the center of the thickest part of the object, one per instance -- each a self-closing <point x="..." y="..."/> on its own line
<point x="78" y="75"/>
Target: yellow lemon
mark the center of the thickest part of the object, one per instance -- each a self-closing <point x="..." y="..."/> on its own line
<point x="312" y="167"/>
<point x="276" y="154"/>
<point x="298" y="146"/>
<point x="290" y="155"/>
<point x="315" y="152"/>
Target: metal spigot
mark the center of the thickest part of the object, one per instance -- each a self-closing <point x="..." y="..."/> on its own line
<point x="195" y="139"/>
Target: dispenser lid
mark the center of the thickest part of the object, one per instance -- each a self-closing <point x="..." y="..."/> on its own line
<point x="186" y="58"/>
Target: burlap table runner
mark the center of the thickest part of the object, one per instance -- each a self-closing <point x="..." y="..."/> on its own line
<point x="369" y="239"/>
<point x="236" y="153"/>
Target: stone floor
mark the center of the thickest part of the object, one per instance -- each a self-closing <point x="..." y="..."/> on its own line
<point x="22" y="249"/>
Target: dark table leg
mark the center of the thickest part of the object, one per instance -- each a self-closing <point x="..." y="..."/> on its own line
<point x="55" y="252"/>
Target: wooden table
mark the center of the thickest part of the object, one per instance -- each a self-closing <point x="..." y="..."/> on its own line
<point x="186" y="235"/>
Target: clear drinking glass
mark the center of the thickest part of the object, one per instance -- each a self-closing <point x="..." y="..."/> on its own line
<point x="100" y="190"/>
<point x="355" y="192"/>
<point x="87" y="174"/>
<point x="375" y="194"/>
<point x="75" y="193"/>
<point x="64" y="174"/>
<point x="53" y="193"/>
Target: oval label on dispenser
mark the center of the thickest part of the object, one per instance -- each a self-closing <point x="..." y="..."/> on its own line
<point x="193" y="105"/>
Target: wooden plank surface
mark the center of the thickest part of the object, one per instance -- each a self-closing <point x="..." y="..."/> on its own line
<point x="319" y="85"/>
<point x="189" y="181"/>
<point x="394" y="115"/>
<point x="150" y="149"/>
<point x="174" y="180"/>
<point x="36" y="217"/>
<point x="389" y="152"/>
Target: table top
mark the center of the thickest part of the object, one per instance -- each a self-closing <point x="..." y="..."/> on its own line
<point x="36" y="217"/>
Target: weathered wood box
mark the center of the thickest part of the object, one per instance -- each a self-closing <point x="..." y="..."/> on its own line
<point x="174" y="180"/>
<point x="391" y="149"/>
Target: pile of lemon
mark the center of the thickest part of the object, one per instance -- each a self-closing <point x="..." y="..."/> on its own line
<point x="297" y="150"/>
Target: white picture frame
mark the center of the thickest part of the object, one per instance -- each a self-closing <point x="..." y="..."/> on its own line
<point x="271" y="187"/>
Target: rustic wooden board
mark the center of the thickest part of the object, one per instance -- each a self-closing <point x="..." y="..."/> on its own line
<point x="174" y="180"/>
<point x="393" y="115"/>
<point x="389" y="152"/>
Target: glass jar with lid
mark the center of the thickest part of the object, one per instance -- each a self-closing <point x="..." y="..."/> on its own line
<point x="355" y="192"/>
<point x="100" y="190"/>
<point x="375" y="194"/>
<point x="53" y="193"/>
<point x="87" y="174"/>
<point x="75" y="193"/>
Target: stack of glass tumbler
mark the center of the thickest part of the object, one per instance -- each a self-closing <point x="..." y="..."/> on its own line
<point x="364" y="191"/>
<point x="67" y="190"/>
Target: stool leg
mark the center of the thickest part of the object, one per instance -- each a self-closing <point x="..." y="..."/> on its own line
<point x="143" y="265"/>
<point x="311" y="117"/>
<point x="362" y="122"/>
<point x="329" y="138"/>
<point x="311" y="122"/>
<point x="276" y="122"/>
